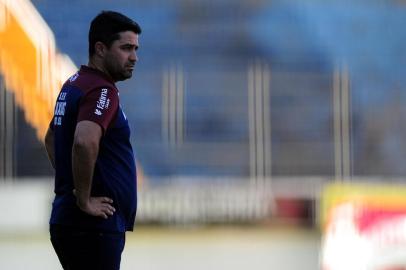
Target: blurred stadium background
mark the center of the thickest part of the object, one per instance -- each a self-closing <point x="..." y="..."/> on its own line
<point x="243" y="113"/>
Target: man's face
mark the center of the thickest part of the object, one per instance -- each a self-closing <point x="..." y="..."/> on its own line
<point x="120" y="58"/>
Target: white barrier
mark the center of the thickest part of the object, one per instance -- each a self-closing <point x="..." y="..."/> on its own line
<point x="25" y="203"/>
<point x="205" y="202"/>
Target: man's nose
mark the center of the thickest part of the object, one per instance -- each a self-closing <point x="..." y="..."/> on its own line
<point x="133" y="57"/>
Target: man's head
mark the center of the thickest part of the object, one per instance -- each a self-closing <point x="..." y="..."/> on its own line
<point x="113" y="40"/>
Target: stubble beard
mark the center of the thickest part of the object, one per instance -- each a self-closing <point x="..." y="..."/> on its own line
<point x="118" y="73"/>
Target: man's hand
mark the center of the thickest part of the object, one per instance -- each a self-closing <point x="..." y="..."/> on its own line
<point x="97" y="206"/>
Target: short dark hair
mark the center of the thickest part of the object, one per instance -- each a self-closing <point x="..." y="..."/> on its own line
<point x="106" y="27"/>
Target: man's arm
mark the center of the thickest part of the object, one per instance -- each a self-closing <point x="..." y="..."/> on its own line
<point x="49" y="146"/>
<point x="84" y="154"/>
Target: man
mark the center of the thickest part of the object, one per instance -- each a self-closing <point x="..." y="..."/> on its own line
<point x="88" y="144"/>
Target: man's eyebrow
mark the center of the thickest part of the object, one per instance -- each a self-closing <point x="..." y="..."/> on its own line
<point x="129" y="45"/>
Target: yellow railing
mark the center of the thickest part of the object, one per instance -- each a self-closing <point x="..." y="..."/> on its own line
<point x="31" y="67"/>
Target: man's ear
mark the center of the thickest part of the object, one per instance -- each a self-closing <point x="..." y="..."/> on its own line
<point x="100" y="48"/>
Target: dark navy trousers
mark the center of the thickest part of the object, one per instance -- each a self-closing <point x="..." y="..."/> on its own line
<point x="79" y="249"/>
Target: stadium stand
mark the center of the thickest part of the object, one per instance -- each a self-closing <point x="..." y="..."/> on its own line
<point x="206" y="49"/>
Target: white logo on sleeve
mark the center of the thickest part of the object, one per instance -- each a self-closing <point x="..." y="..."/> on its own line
<point x="102" y="103"/>
<point x="74" y="77"/>
<point x="60" y="107"/>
